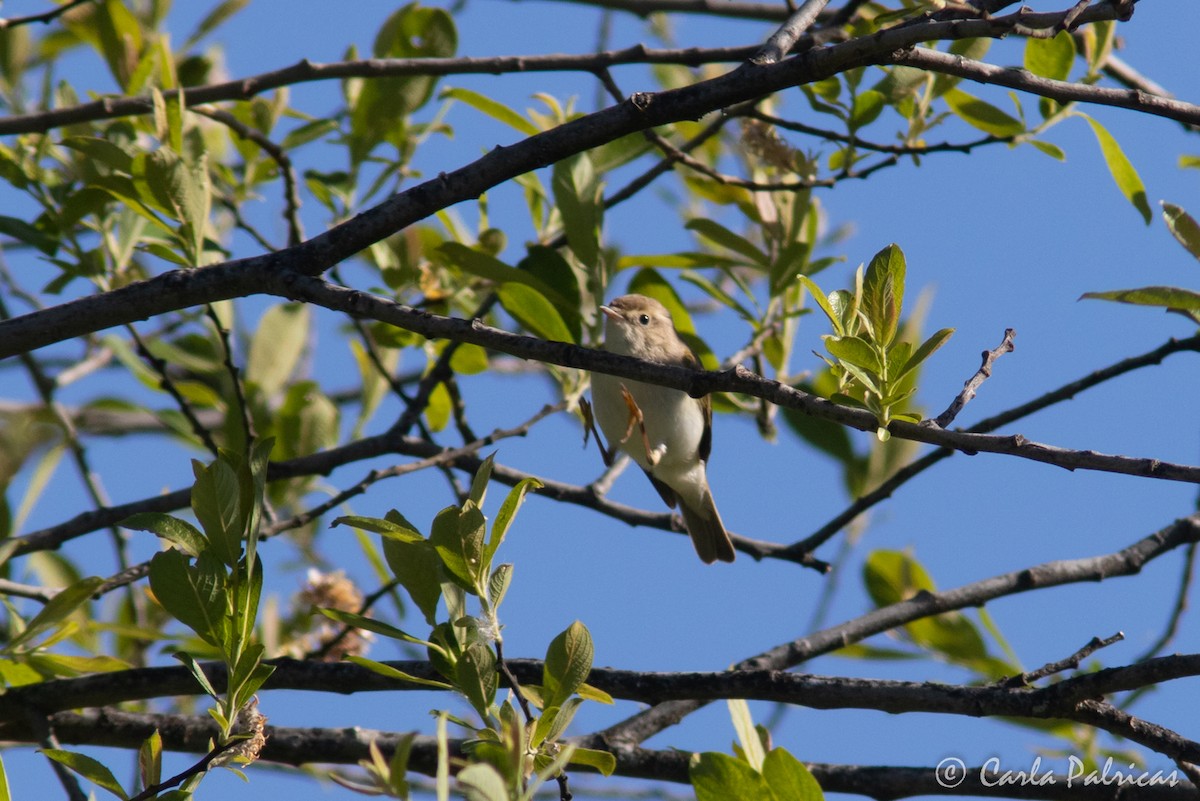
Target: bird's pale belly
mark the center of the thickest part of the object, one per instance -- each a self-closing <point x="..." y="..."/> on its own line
<point x="674" y="424"/>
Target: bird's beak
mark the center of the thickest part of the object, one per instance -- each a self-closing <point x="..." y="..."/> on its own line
<point x="610" y="312"/>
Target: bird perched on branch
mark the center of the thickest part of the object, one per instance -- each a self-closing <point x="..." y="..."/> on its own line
<point x="666" y="431"/>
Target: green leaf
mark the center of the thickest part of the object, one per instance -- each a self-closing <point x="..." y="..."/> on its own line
<point x="1053" y="151"/>
<point x="277" y="345"/>
<point x="508" y="511"/>
<point x="854" y="350"/>
<point x="393" y="673"/>
<point x="1169" y="297"/>
<point x="894" y="576"/>
<point x="554" y="271"/>
<point x="1183" y="227"/>
<point x="197" y="672"/>
<point x="171" y="529"/>
<point x="477" y="678"/>
<point x="29" y="234"/>
<point x="458" y="536"/>
<point x="602" y="761"/>
<point x="926" y="350"/>
<point x="951" y="634"/>
<point x="417" y="566"/>
<point x="479" y="483"/>
<point x="493" y="108"/>
<point x="380" y="111"/>
<point x="816" y="293"/>
<point x="1121" y="168"/>
<point x="743" y="724"/>
<point x="192" y="594"/>
<point x="88" y="768"/>
<point x="789" y="779"/>
<point x="489" y="267"/>
<point x="1050" y="58"/>
<point x="149" y="760"/>
<point x="982" y="115"/>
<point x="883" y="292"/>
<point x="534" y="312"/>
<point x="498" y="584"/>
<point x="720" y="235"/>
<point x="482" y="782"/>
<point x="216" y="502"/>
<point x="867" y="107"/>
<point x="720" y="777"/>
<point x="568" y="663"/>
<point x="577" y="194"/>
<point x="56" y="611"/>
<point x="371" y="624"/>
<point x="388" y="528"/>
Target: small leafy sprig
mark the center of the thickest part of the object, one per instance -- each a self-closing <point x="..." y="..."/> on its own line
<point x="755" y="771"/>
<point x="510" y="754"/>
<point x="872" y="364"/>
<point x="210" y="580"/>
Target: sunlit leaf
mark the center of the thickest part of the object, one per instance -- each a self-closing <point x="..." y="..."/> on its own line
<point x="1122" y="169"/>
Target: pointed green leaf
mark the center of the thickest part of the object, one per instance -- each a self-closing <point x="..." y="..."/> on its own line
<point x="747" y="734"/>
<point x="534" y="312"/>
<point x="1050" y="58"/>
<point x="577" y="194"/>
<point x="494" y="109"/>
<point x="498" y="584"/>
<point x="789" y="779"/>
<point x="883" y="292"/>
<point x="1183" y="227"/>
<point x="720" y="235"/>
<point x="1169" y="297"/>
<point x="56" y="610"/>
<point x="150" y="760"/>
<point x="982" y="115"/>
<point x="508" y="511"/>
<point x="477" y="678"/>
<point x="416" y="565"/>
<point x="393" y="673"/>
<point x="482" y="782"/>
<point x="192" y="594"/>
<point x="88" y="768"/>
<point x="1122" y="169"/>
<point x="601" y="761"/>
<point x="216" y="502"/>
<point x="277" y="345"/>
<point x="194" y="668"/>
<point x="568" y="663"/>
<point x="855" y="350"/>
<point x="926" y="350"/>
<point x="720" y="777"/>
<point x="479" y="483"/>
<point x="171" y="529"/>
<point x="379" y="525"/>
<point x="458" y="537"/>
<point x="894" y="576"/>
<point x="371" y="624"/>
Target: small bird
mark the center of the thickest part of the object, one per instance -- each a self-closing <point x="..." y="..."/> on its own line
<point x="675" y="428"/>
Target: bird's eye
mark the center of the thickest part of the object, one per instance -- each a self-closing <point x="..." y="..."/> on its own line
<point x="644" y="319"/>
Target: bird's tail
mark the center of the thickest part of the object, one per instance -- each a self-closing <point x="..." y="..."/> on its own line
<point x="708" y="533"/>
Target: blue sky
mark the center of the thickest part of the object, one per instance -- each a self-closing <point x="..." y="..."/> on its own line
<point x="1001" y="239"/>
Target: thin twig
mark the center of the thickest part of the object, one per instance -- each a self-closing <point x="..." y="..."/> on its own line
<point x="1070" y="663"/>
<point x="44" y="17"/>
<point x="167" y="384"/>
<point x="974" y="382"/>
